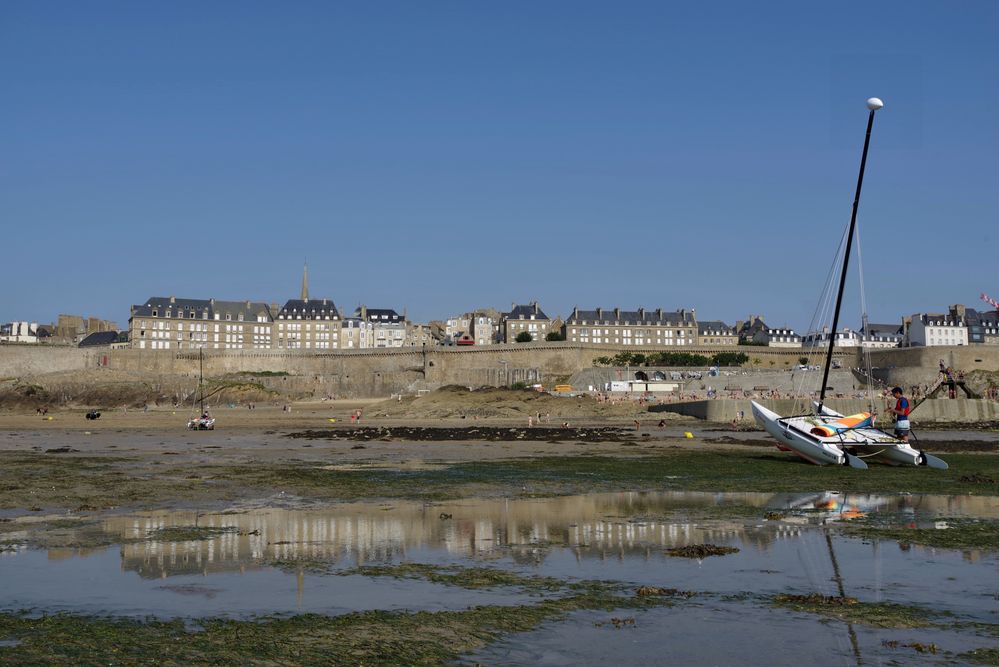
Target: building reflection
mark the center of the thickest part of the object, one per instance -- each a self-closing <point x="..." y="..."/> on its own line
<point x="598" y="526"/>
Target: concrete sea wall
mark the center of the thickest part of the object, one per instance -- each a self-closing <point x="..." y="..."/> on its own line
<point x="958" y="411"/>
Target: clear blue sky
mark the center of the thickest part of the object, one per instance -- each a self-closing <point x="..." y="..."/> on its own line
<point x="442" y="156"/>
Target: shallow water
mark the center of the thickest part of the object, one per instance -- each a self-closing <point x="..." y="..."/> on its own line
<point x="717" y="633"/>
<point x="616" y="536"/>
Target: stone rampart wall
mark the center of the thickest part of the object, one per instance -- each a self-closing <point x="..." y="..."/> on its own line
<point x="383" y="372"/>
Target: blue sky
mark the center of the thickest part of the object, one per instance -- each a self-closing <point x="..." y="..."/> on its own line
<point x="442" y="156"/>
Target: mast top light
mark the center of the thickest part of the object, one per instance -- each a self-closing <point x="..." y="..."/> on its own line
<point x="875" y="103"/>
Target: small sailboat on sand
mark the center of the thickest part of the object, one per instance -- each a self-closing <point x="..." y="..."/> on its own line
<point x="204" y="421"/>
<point x="826" y="437"/>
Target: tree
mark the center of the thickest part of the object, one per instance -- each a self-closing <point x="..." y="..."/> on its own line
<point x="803" y="360"/>
<point x="524" y="337"/>
<point x="729" y="358"/>
<point x="554" y="336"/>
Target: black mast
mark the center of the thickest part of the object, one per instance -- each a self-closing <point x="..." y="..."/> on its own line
<point x="873" y="104"/>
<point x="201" y="379"/>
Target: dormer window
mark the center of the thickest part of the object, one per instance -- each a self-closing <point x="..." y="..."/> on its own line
<point x="156" y="313"/>
<point x="228" y="317"/>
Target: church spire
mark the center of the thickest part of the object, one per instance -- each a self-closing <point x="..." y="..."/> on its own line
<point x="305" y="282"/>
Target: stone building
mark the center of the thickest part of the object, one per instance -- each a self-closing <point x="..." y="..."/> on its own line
<point x="646" y="328"/>
<point x="307" y="324"/>
<point x="481" y="326"/>
<point x="715" y="332"/>
<point x="385" y="327"/>
<point x="419" y="335"/>
<point x="983" y="328"/>
<point x="529" y="318"/>
<point x="169" y="323"/>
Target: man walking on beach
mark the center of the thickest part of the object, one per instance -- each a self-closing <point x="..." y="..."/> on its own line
<point x="901" y="412"/>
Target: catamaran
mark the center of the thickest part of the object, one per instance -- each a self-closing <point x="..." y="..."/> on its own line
<point x="826" y="437"/>
<point x="204" y="421"/>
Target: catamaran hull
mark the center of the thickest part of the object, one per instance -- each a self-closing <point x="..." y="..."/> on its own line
<point x="897" y="454"/>
<point x="826" y="453"/>
<point x="814" y="452"/>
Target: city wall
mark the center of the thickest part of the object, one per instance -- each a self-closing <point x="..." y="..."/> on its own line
<point x="377" y="373"/>
<point x="906" y="367"/>
<point x="948" y="411"/>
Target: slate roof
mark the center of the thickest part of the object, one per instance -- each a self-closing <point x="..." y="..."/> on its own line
<point x="714" y="325"/>
<point x="99" y="338"/>
<point x="648" y="317"/>
<point x="184" y="308"/>
<point x="882" y="330"/>
<point x="974" y="317"/>
<point x="311" y="309"/>
<point x="525" y="312"/>
<point x="385" y="315"/>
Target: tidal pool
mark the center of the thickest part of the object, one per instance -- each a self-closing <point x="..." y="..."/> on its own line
<point x="253" y="560"/>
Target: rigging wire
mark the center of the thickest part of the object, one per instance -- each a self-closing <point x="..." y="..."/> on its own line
<point x="865" y="350"/>
<point x="821" y="314"/>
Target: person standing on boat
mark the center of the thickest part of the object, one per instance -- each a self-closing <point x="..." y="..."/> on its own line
<point x="901" y="411"/>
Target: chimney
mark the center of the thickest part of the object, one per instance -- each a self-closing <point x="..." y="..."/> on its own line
<point x="212" y="301"/>
<point x="617" y="313"/>
<point x="693" y="314"/>
<point x="641" y="313"/>
<point x="535" y="304"/>
<point x="173" y="299"/>
<point x="600" y="313"/>
<point x="659" y="314"/>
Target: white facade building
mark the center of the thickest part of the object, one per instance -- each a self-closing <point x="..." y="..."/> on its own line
<point x="820" y="339"/>
<point x="777" y="338"/>
<point x="19" y="332"/>
<point x="936" y="330"/>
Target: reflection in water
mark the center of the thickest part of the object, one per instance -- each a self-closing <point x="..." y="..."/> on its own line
<point x="619" y="537"/>
<point x="600" y="526"/>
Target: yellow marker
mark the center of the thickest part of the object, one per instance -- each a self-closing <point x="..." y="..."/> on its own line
<point x="688" y="435"/>
<point x="50" y="418"/>
<point x="333" y="421"/>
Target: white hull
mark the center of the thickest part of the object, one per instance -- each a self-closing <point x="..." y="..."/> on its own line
<point x="793" y="434"/>
<point x="807" y="446"/>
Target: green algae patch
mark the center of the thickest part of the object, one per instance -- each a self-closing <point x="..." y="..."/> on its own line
<point x="851" y="610"/>
<point x="981" y="656"/>
<point x="91" y="483"/>
<point x="373" y="638"/>
<point x="454" y="575"/>
<point x="700" y="551"/>
<point x="960" y="533"/>
<point x="187" y="533"/>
